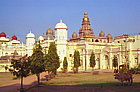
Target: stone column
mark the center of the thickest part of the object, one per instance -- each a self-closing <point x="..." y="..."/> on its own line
<point x="102" y="61"/>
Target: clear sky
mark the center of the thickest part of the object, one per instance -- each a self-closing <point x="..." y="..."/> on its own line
<point x="116" y="17"/>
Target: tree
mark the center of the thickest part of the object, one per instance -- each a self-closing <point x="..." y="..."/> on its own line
<point x="52" y="59"/>
<point x="115" y="62"/>
<point x="65" y="64"/>
<point x="92" y="60"/>
<point x="20" y="68"/>
<point x="37" y="61"/>
<point x="76" y="61"/>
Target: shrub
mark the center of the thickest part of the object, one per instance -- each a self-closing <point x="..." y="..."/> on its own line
<point x="135" y="70"/>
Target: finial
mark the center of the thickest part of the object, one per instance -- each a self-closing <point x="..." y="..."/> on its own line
<point x="30" y="30"/>
<point x="49" y="27"/>
<point x="61" y="21"/>
<point x="85" y="13"/>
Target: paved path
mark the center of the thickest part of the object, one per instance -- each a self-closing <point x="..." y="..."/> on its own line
<point x="15" y="84"/>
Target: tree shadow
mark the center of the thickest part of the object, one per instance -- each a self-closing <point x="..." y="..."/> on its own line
<point x="101" y="87"/>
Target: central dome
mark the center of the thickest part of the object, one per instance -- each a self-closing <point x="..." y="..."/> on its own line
<point x="61" y="25"/>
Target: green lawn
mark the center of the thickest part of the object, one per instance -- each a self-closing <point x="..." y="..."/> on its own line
<point x="86" y="82"/>
<point x="5" y="77"/>
<point x="85" y="79"/>
<point x="82" y="82"/>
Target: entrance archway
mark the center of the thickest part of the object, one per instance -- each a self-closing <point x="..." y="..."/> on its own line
<point x="107" y="62"/>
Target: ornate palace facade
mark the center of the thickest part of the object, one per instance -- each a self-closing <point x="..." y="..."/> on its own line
<point x="125" y="47"/>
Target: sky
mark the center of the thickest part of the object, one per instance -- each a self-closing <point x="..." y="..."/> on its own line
<point x="117" y="17"/>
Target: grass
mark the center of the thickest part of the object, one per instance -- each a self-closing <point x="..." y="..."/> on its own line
<point x="81" y="82"/>
<point x="86" y="82"/>
<point x="86" y="79"/>
<point x="81" y="78"/>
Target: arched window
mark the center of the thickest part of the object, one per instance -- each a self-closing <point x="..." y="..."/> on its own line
<point x="96" y="40"/>
<point x="92" y="40"/>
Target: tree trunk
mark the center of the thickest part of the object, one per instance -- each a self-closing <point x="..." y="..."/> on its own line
<point x="21" y="82"/>
<point x="76" y="69"/>
<point x="55" y="72"/>
<point x="49" y="77"/>
<point x="38" y="78"/>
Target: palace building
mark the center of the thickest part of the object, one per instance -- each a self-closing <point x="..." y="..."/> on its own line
<point x="125" y="47"/>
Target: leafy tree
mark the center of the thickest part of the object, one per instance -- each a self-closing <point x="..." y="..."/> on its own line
<point x="65" y="64"/>
<point x="92" y="60"/>
<point x="37" y="61"/>
<point x="135" y="70"/>
<point x="52" y="59"/>
<point x="20" y="68"/>
<point x="76" y="61"/>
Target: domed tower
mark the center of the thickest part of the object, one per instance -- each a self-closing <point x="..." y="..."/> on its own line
<point x="61" y="39"/>
<point x="14" y="37"/>
<point x="50" y="34"/>
<point x="40" y="38"/>
<point x="30" y="41"/>
<point x="3" y="35"/>
<point x="3" y="38"/>
<point x="86" y="30"/>
<point x="14" y="40"/>
<point x="102" y="34"/>
<point x="109" y="37"/>
<point x="74" y="35"/>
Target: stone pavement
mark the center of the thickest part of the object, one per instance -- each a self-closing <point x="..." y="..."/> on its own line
<point x="14" y="85"/>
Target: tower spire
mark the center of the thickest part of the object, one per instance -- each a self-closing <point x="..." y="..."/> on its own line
<point x="86" y="30"/>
